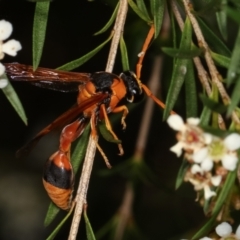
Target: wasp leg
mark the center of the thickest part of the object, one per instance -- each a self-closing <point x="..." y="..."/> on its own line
<point x="125" y="111"/>
<point x="109" y="127"/>
<point x="94" y="136"/>
<point x="93" y="122"/>
<point x="104" y="156"/>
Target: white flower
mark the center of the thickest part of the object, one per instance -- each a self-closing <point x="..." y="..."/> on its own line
<point x="176" y="122"/>
<point x="208" y="193"/>
<point x="219" y="150"/>
<point x="232" y="141"/>
<point x="193" y="121"/>
<point x="216" y="180"/>
<point x="190" y="136"/>
<point x="198" y="156"/>
<point x="203" y="181"/>
<point x="5" y="30"/>
<point x="203" y="185"/>
<point x="208" y="138"/>
<point x="10" y="47"/>
<point x="207" y="165"/>
<point x="224" y="229"/>
<point x="177" y="149"/>
<point x="196" y="169"/>
<point x="201" y="157"/>
<point x="229" y="162"/>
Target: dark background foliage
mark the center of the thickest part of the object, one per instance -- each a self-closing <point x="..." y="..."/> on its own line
<point x="160" y="212"/>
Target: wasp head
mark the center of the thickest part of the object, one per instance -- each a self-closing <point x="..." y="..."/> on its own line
<point x="133" y="86"/>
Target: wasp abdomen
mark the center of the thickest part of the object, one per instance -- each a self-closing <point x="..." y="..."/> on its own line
<point x="61" y="197"/>
<point x="58" y="179"/>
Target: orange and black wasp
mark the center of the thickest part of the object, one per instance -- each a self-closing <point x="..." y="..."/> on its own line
<point x="98" y="95"/>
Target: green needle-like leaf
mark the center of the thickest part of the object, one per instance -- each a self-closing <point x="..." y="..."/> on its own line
<point x="235" y="98"/>
<point x="191" y="92"/>
<point x="205" y="116"/>
<point x="56" y="230"/>
<point x="221" y="60"/>
<point x="107" y="134"/>
<point x="39" y="30"/>
<point x="225" y="191"/>
<point x="214" y="41"/>
<point x="136" y="9"/>
<point x="80" y="61"/>
<point x="109" y="23"/>
<point x="206" y="228"/>
<point x="233" y="14"/>
<point x="216" y="131"/>
<point x="234" y="68"/>
<point x="90" y="233"/>
<point x="179" y="73"/>
<point x="14" y="100"/>
<point x="222" y="20"/>
<point x="157" y="7"/>
<point x="80" y="149"/>
<point x="142" y="7"/>
<point x="179" y="70"/>
<point x="213" y="105"/>
<point x="173" y="52"/>
<point x="52" y="212"/>
<point x="181" y="173"/>
<point x="124" y="54"/>
<point x="174" y="30"/>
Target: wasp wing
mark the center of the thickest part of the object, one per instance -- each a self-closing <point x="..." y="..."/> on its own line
<point x="47" y="78"/>
<point x="62" y="120"/>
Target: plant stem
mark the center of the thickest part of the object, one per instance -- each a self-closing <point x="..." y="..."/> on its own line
<point x="82" y="188"/>
<point x="118" y="30"/>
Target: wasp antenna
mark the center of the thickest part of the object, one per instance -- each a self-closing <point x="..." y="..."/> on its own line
<point x="155" y="99"/>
